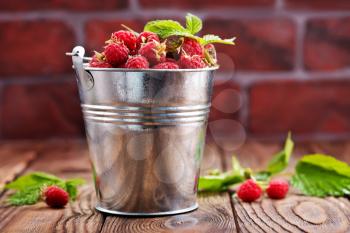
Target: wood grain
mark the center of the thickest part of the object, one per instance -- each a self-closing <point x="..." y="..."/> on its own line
<point x="65" y="160"/>
<point x="295" y="213"/>
<point x="214" y="213"/>
<point x="13" y="161"/>
<point x="70" y="159"/>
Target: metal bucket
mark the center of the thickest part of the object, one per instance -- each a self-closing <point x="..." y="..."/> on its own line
<point x="146" y="132"/>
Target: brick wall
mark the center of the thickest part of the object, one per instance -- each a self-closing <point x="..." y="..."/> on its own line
<point x="291" y="63"/>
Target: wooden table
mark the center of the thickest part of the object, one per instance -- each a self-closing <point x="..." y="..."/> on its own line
<point x="216" y="213"/>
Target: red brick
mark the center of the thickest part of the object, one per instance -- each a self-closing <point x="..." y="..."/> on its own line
<point x="302" y="107"/>
<point x="327" y="44"/>
<point x="35" y="48"/>
<point x="185" y="4"/>
<point x="40" y="110"/>
<point x="76" y="5"/>
<point x="98" y="31"/>
<point x="318" y="4"/>
<point x="262" y="44"/>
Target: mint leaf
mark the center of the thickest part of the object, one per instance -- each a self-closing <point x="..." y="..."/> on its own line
<point x="166" y="28"/>
<point x="280" y="161"/>
<point x="26" y="197"/>
<point x="217" y="183"/>
<point x="71" y="186"/>
<point x="193" y="23"/>
<point x="236" y="167"/>
<point x="322" y="175"/>
<point x="33" y="179"/>
<point x="28" y="187"/>
<point x="210" y="39"/>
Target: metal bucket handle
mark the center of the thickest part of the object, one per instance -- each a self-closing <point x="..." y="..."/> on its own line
<point x="84" y="78"/>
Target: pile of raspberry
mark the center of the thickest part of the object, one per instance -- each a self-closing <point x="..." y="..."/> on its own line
<point x="126" y="49"/>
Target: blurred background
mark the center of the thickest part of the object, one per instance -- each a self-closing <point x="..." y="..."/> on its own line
<point x="290" y="69"/>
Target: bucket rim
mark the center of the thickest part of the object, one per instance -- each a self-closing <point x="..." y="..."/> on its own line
<point x="87" y="67"/>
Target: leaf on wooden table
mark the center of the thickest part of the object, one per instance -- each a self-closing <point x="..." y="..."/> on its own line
<point x="322" y="175"/>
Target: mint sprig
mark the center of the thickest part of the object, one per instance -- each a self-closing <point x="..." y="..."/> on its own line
<point x="28" y="187"/>
<point x="210" y="39"/>
<point x="166" y="28"/>
<point x="217" y="181"/>
<point x="193" y="24"/>
<point x="322" y="175"/>
<point x="221" y="181"/>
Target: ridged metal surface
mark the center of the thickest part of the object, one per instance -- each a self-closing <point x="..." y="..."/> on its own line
<point x="145" y="131"/>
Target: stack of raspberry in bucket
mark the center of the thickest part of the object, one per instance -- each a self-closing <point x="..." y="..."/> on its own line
<point x="164" y="44"/>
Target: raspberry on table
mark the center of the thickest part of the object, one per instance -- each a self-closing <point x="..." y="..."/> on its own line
<point x="192" y="47"/>
<point x="137" y="62"/>
<point x="249" y="191"/>
<point x="277" y="189"/>
<point x="166" y="65"/>
<point x="55" y="197"/>
<point x="153" y="51"/>
<point x="191" y="62"/>
<point x="116" y="54"/>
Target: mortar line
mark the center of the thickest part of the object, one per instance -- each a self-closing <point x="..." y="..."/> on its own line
<point x="135" y="12"/>
<point x="299" y="44"/>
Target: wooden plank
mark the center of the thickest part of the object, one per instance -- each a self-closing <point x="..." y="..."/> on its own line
<point x="295" y="213"/>
<point x="13" y="161"/>
<point x="65" y="160"/>
<point x="214" y="213"/>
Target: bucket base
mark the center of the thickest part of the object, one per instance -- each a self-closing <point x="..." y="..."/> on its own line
<point x="132" y="214"/>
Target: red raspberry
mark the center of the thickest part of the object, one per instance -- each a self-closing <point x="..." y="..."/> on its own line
<point x="126" y="37"/>
<point x="191" y="62"/>
<point x="137" y="62"/>
<point x="116" y="54"/>
<point x="55" y="197"/>
<point x="249" y="191"/>
<point x="277" y="189"/>
<point x="166" y="65"/>
<point x="192" y="47"/>
<point x="169" y="59"/>
<point x="153" y="51"/>
<point x="99" y="60"/>
<point x="145" y="37"/>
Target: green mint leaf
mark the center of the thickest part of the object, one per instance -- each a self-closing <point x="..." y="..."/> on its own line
<point x="280" y="161"/>
<point x="236" y="167"/>
<point x="33" y="179"/>
<point x="218" y="183"/>
<point x="29" y="196"/>
<point x="322" y="175"/>
<point x="210" y="39"/>
<point x="28" y="187"/>
<point x="262" y="176"/>
<point x="71" y="186"/>
<point x="193" y="23"/>
<point x="166" y="28"/>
